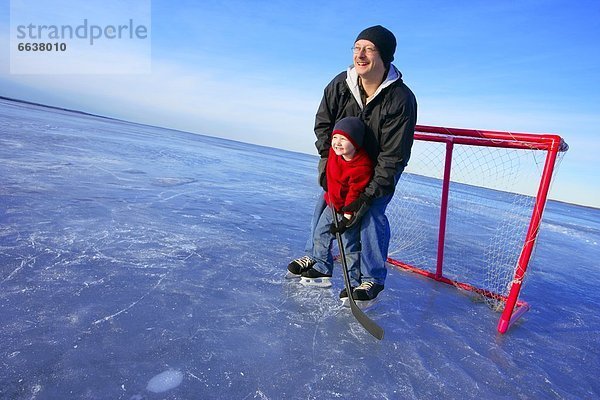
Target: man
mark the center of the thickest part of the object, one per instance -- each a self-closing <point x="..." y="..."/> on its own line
<point x="371" y="89"/>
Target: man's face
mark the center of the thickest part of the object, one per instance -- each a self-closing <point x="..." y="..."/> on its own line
<point x="367" y="60"/>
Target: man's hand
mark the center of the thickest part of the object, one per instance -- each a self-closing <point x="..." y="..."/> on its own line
<point x="322" y="173"/>
<point x="342" y="226"/>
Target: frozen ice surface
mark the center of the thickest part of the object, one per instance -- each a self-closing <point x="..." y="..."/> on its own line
<point x="126" y="250"/>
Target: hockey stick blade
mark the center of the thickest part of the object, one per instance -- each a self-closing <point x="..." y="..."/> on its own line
<point x="359" y="314"/>
<point x="365" y="321"/>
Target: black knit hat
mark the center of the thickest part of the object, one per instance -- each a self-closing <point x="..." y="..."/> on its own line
<point x="383" y="39"/>
<point x="352" y="128"/>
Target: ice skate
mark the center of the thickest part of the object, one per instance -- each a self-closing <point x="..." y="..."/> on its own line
<point x="367" y="291"/>
<point x="312" y="277"/>
<point x="299" y="265"/>
<point x="365" y="295"/>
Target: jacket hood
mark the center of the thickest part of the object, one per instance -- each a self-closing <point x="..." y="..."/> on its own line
<point x="352" y="82"/>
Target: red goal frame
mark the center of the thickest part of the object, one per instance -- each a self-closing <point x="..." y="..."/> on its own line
<point x="551" y="144"/>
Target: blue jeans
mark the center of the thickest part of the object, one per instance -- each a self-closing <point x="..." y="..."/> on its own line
<point x="366" y="257"/>
<point x="375" y="239"/>
<point x="320" y="243"/>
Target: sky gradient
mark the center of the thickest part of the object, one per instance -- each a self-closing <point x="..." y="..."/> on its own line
<point x="254" y="71"/>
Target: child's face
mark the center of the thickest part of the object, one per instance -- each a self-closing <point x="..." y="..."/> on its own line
<point x="342" y="146"/>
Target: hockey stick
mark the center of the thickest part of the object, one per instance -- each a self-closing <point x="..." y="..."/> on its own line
<point x="359" y="314"/>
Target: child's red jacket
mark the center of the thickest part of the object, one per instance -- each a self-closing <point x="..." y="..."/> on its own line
<point x="346" y="180"/>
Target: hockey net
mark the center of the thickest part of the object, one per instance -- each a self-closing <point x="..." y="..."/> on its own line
<point x="468" y="207"/>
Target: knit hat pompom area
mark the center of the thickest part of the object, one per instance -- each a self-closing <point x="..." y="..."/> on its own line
<point x="352" y="128"/>
<point x="383" y="39"/>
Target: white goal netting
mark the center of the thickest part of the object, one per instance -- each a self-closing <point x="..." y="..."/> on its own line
<point x="491" y="197"/>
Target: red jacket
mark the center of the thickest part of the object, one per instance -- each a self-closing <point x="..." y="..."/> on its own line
<point x="346" y="180"/>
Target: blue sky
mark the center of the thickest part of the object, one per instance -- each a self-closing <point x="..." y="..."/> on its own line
<point x="254" y="71"/>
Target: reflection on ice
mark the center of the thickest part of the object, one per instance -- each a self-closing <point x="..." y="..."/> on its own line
<point x="165" y="381"/>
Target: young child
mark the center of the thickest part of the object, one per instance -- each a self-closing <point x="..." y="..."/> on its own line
<point x="348" y="171"/>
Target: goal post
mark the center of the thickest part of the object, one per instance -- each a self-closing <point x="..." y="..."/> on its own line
<point x="468" y="208"/>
